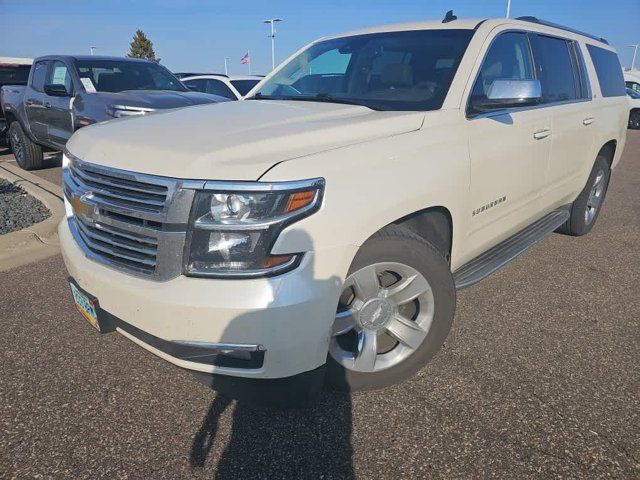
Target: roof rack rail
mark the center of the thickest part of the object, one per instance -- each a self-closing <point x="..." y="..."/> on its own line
<point x="561" y="27"/>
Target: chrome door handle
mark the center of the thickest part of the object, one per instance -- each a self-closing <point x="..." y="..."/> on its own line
<point x="540" y="134"/>
<point x="588" y="121"/>
<point x="29" y="102"/>
<point x="47" y="105"/>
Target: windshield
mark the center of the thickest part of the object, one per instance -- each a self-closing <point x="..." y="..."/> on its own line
<point x="244" y="86"/>
<point x="384" y="71"/>
<point x="120" y="75"/>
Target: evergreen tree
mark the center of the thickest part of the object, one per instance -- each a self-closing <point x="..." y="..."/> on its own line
<point x="142" y="47"/>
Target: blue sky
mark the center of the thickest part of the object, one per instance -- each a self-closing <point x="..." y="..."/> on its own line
<point x="198" y="34"/>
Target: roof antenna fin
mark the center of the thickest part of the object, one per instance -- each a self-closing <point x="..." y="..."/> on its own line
<point x="449" y="17"/>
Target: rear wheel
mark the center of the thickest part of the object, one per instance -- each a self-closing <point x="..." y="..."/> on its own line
<point x="586" y="208"/>
<point x="394" y="313"/>
<point x="27" y="153"/>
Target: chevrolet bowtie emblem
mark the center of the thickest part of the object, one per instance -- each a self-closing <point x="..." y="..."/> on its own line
<point x="79" y="205"/>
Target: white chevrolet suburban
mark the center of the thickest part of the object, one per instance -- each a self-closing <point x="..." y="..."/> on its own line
<point x="321" y="227"/>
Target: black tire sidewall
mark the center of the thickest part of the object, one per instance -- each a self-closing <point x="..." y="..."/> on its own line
<point x="16" y="130"/>
<point x="427" y="260"/>
<point x="32" y="157"/>
<point x="578" y="225"/>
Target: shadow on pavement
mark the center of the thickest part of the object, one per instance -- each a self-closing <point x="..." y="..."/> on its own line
<point x="271" y="435"/>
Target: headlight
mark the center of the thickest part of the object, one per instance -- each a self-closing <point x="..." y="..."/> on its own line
<point x="118" y="111"/>
<point x="233" y="229"/>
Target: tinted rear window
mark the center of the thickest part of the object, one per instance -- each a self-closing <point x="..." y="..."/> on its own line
<point x="11" y="74"/>
<point x="555" y="69"/>
<point x="608" y="70"/>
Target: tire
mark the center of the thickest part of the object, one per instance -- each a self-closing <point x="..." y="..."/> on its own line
<point x="27" y="153"/>
<point x="634" y="120"/>
<point x="393" y="249"/>
<point x="581" y="221"/>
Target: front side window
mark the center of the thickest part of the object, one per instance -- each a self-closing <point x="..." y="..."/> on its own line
<point x="197" y="84"/>
<point x="39" y="76"/>
<point x="608" y="70"/>
<point x="508" y="58"/>
<point x="556" y="69"/>
<point x="410" y="70"/>
<point x="121" y="75"/>
<point x="59" y="75"/>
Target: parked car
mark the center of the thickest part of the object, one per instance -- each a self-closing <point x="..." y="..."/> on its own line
<point x="321" y="227"/>
<point x="632" y="79"/>
<point x="13" y="71"/>
<point x="65" y="93"/>
<point x="182" y="75"/>
<point x="634" y="108"/>
<point x="233" y="87"/>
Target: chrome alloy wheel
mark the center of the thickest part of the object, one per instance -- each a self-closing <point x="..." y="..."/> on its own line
<point x="595" y="197"/>
<point x="17" y="147"/>
<point x="384" y="315"/>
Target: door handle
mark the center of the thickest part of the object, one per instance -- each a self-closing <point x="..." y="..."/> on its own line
<point x="29" y="102"/>
<point x="47" y="105"/>
<point x="540" y="134"/>
<point x="588" y="121"/>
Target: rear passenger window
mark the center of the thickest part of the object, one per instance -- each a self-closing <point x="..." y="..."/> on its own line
<point x="608" y="70"/>
<point x="508" y="58"/>
<point x="39" y="76"/>
<point x="556" y="70"/>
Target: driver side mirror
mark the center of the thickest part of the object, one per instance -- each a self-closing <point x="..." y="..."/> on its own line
<point x="509" y="94"/>
<point x="56" y="90"/>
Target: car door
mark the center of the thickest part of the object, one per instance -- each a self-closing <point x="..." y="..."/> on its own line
<point x="567" y="97"/>
<point x="59" y="108"/>
<point x="509" y="148"/>
<point x="34" y="99"/>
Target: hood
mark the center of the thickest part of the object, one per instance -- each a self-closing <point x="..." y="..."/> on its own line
<point x="159" y="99"/>
<point x="233" y="140"/>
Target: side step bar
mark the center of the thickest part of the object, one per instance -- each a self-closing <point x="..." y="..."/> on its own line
<point x="497" y="257"/>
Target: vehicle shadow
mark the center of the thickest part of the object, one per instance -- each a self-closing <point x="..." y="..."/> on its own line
<point x="306" y="437"/>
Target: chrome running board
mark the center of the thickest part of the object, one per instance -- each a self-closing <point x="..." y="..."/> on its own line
<point x="497" y="257"/>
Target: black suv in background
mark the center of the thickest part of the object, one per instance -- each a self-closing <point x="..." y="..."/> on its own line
<point x="65" y="93"/>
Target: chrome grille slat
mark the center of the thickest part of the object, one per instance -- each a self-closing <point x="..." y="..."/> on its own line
<point x="136" y="238"/>
<point x="89" y="174"/>
<point x="114" y="252"/>
<point x="128" y="200"/>
<point x="116" y="240"/>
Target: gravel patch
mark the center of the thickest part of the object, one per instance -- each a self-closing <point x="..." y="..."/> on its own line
<point x="18" y="209"/>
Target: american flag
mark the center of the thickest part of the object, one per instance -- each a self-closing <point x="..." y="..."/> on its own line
<point x="244" y="60"/>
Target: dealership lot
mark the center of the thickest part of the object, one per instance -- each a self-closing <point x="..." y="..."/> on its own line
<point x="539" y="377"/>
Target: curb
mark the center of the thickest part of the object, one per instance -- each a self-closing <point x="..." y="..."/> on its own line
<point x="38" y="241"/>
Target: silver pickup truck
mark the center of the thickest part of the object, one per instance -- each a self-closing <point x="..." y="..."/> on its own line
<point x="65" y="93"/>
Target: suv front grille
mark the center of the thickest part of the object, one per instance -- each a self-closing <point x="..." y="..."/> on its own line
<point x="131" y="251"/>
<point x="117" y="190"/>
<point x="129" y="221"/>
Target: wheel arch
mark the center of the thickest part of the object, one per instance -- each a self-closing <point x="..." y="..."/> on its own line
<point x="434" y="224"/>
<point x="609" y="150"/>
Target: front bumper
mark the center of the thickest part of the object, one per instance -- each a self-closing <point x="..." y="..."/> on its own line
<point x="289" y="316"/>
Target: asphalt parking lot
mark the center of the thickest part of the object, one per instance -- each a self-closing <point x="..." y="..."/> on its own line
<point x="539" y="378"/>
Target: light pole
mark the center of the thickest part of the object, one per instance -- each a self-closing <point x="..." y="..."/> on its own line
<point x="226" y="66"/>
<point x="272" y="22"/>
<point x="508" y="8"/>
<point x="635" y="53"/>
<point x="93" y="50"/>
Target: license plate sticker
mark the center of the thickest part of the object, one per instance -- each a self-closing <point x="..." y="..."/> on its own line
<point x="85" y="306"/>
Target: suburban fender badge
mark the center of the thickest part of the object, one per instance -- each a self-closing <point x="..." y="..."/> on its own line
<point x="488" y="206"/>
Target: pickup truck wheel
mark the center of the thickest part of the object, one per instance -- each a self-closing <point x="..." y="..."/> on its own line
<point x="586" y="208"/>
<point x="27" y="153"/>
<point x="394" y="314"/>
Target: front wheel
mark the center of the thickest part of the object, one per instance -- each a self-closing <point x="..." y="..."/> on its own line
<point x="395" y="311"/>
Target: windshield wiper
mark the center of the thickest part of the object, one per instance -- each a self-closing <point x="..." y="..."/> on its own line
<point x="323" y="97"/>
<point x="260" y="96"/>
